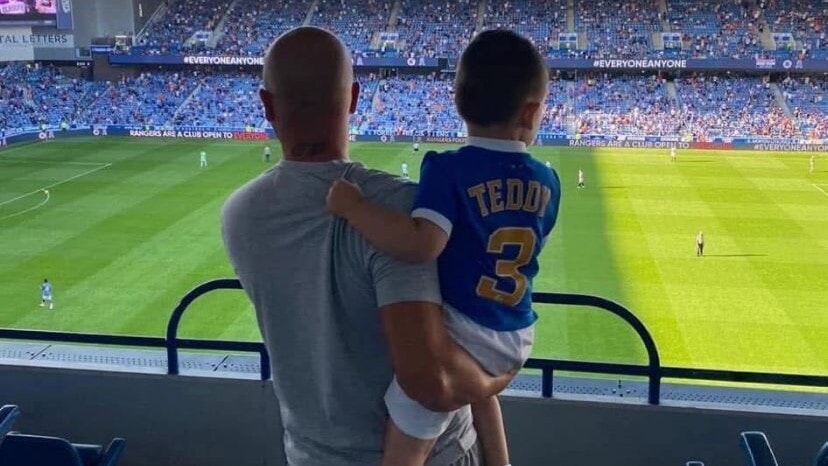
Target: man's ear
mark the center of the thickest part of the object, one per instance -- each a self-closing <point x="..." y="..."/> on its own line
<point x="354" y="98"/>
<point x="529" y="115"/>
<point x="267" y="102"/>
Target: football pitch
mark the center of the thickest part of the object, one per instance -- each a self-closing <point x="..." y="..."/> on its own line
<point x="128" y="226"/>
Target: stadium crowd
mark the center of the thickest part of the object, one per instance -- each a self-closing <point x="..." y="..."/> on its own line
<point x="617" y="29"/>
<point x="252" y="24"/>
<point x="414" y="105"/>
<point x="625" y="105"/>
<point x="223" y="100"/>
<point x="435" y="28"/>
<point x="558" y="107"/>
<point x="731" y="107"/>
<point x="805" y="19"/>
<point x="355" y="23"/>
<point x="176" y="30"/>
<point x="442" y="28"/>
<point x="32" y="95"/>
<point x="538" y="20"/>
<point x="148" y="99"/>
<point x="808" y="99"/>
<point x="703" y="106"/>
<point x="717" y="29"/>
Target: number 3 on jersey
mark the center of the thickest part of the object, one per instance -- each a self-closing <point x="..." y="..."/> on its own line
<point x="525" y="239"/>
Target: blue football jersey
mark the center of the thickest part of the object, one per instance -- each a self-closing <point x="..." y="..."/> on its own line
<point x="46" y="289"/>
<point x="497" y="207"/>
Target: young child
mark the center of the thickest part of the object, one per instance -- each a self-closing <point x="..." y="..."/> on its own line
<point x="485" y="210"/>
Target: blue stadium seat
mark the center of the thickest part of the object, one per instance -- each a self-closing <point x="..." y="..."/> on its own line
<point x="757" y="449"/>
<point x="822" y="457"/>
<point x="26" y="450"/>
<point x="8" y="414"/>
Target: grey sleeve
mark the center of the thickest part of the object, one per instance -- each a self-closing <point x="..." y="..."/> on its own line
<point x="398" y="282"/>
<point x="232" y="231"/>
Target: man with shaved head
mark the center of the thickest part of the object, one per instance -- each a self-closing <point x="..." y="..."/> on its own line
<point x="339" y="318"/>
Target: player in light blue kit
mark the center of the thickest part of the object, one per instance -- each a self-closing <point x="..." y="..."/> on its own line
<point x="485" y="210"/>
<point x="46" y="294"/>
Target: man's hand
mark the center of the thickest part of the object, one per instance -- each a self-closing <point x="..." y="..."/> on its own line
<point x="430" y="366"/>
<point x="343" y="197"/>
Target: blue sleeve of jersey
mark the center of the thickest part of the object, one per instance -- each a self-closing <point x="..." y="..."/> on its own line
<point x="434" y="200"/>
<point x="551" y="214"/>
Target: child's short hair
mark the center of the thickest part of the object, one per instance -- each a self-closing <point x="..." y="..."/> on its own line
<point x="497" y="72"/>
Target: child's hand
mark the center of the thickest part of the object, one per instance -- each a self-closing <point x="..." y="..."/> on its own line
<point x="342" y="197"/>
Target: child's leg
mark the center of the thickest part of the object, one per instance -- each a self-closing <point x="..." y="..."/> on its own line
<point x="488" y="422"/>
<point x="404" y="450"/>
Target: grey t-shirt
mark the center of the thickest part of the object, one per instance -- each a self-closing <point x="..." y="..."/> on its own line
<point x="317" y="286"/>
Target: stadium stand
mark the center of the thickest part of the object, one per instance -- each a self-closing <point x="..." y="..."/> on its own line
<point x="625" y="105"/>
<point x="732" y="106"/>
<point x="152" y="98"/>
<point x="806" y="98"/>
<point x="179" y="29"/>
<point x="540" y="21"/>
<point x="27" y="450"/>
<point x="436" y="28"/>
<point x="355" y="23"/>
<point x="33" y="95"/>
<point x="558" y="107"/>
<point x="717" y="29"/>
<point x="252" y="24"/>
<point x="617" y="29"/>
<point x="223" y="100"/>
<point x="368" y="89"/>
<point x="440" y="28"/>
<point x="805" y="19"/>
<point x="705" y="106"/>
<point x="413" y="106"/>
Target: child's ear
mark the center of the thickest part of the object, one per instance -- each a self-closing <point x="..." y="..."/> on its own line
<point x="529" y="115"/>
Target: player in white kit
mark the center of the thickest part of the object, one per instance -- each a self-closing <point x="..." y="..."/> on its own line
<point x="404" y="170"/>
<point x="203" y="159"/>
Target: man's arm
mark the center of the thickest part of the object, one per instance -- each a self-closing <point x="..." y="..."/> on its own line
<point x="430" y="366"/>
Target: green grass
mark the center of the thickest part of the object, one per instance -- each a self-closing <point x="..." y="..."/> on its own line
<point x="133" y="225"/>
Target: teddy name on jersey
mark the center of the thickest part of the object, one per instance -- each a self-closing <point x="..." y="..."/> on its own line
<point x="511" y="194"/>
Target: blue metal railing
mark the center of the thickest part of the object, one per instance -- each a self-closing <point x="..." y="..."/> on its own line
<point x="173" y="343"/>
<point x="653" y="370"/>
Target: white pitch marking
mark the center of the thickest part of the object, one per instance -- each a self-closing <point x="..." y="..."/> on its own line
<point x="89" y="172"/>
<point x="30" y="208"/>
<point x="823" y="191"/>
<point x="55" y="162"/>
